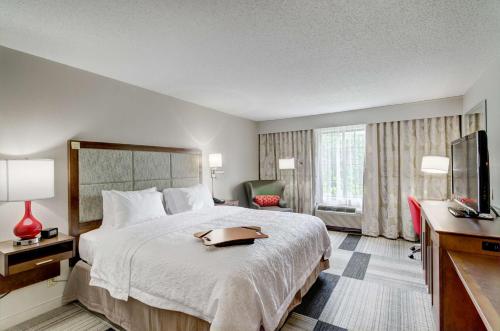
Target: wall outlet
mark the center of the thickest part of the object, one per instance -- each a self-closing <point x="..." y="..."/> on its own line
<point x="51" y="282"/>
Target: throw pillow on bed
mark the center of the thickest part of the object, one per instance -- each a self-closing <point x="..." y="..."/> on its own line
<point x="267" y="200"/>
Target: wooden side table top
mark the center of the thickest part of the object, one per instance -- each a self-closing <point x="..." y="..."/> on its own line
<point x="7" y="248"/>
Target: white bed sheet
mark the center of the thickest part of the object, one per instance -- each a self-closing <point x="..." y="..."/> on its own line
<point x="89" y="240"/>
<point x="234" y="288"/>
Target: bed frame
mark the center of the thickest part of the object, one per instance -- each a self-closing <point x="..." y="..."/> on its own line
<point x="96" y="166"/>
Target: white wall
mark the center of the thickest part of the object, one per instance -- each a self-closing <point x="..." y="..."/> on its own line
<point x="488" y="87"/>
<point x="407" y="111"/>
<point x="43" y="104"/>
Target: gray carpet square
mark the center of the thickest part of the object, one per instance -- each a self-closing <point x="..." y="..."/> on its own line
<point x="402" y="273"/>
<point x="395" y="248"/>
<point x="336" y="238"/>
<point x="70" y="317"/>
<point x="338" y="261"/>
<point x="356" y="268"/>
<point x="315" y="300"/>
<point x="322" y="326"/>
<point x="298" y="322"/>
<point x="361" y="305"/>
<point x="350" y="242"/>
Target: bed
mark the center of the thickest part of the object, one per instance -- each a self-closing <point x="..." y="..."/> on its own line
<point x="157" y="276"/>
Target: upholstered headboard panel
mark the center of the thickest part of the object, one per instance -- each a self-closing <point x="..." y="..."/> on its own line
<point x="94" y="167"/>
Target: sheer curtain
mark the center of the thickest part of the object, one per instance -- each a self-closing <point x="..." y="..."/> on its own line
<point x="339" y="163"/>
<point x="394" y="152"/>
<point x="299" y="182"/>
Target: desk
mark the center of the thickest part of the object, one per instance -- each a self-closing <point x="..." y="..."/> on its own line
<point x="459" y="273"/>
<point x="480" y="276"/>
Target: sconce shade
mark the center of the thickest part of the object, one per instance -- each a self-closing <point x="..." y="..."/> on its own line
<point x="215" y="160"/>
<point x="435" y="164"/>
<point x="25" y="180"/>
<point x="286" y="164"/>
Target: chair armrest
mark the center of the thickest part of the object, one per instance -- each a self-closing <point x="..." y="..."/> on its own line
<point x="283" y="204"/>
<point x="254" y="205"/>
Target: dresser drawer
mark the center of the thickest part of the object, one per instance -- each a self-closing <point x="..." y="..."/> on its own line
<point x="32" y="264"/>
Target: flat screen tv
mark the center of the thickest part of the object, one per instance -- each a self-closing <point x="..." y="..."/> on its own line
<point x="470" y="172"/>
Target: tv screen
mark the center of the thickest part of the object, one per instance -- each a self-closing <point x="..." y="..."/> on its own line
<point x="470" y="172"/>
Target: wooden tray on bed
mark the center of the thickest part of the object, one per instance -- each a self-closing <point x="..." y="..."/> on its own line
<point x="242" y="235"/>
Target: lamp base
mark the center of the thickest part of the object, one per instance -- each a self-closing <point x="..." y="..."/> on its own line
<point x="28" y="227"/>
<point x="26" y="242"/>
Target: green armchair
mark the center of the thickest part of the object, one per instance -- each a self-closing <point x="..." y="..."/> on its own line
<point x="261" y="187"/>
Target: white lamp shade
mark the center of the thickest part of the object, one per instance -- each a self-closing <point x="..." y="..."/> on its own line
<point x="215" y="160"/>
<point x="286" y="164"/>
<point x="22" y="180"/>
<point x="435" y="164"/>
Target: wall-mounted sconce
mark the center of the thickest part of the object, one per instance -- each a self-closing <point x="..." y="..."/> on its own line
<point x="215" y="165"/>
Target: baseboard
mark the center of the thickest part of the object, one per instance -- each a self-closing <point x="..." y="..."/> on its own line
<point x="343" y="229"/>
<point x="11" y="320"/>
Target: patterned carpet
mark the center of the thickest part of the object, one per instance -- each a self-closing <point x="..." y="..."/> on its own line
<point x="371" y="285"/>
<point x="70" y="317"/>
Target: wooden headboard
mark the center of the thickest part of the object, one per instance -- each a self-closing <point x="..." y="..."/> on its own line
<point x="97" y="166"/>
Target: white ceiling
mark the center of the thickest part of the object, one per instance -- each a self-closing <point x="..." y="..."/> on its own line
<point x="267" y="59"/>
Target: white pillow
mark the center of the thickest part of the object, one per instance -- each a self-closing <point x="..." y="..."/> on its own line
<point x="136" y="207"/>
<point x="170" y="195"/>
<point x="178" y="200"/>
<point x="198" y="197"/>
<point x="108" y="214"/>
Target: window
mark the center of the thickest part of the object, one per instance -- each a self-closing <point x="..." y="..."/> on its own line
<point x="340" y="158"/>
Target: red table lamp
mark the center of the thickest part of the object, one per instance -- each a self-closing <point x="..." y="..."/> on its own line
<point x="26" y="180"/>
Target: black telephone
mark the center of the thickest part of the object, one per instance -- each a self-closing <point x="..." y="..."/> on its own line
<point x="218" y="201"/>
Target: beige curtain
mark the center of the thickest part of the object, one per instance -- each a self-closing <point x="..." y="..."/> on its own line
<point x="394" y="152"/>
<point x="299" y="182"/>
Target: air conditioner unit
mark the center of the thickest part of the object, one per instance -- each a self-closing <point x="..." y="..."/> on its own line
<point x="339" y="217"/>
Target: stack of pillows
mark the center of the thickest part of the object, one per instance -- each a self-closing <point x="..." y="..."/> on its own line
<point x="125" y="208"/>
<point x="267" y="200"/>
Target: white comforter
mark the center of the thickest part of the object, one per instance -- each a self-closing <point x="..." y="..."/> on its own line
<point x="234" y="288"/>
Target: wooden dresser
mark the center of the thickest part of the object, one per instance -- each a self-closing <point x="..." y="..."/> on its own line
<point x="461" y="259"/>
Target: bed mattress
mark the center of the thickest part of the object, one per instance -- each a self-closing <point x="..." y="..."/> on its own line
<point x="88" y="242"/>
<point x="162" y="264"/>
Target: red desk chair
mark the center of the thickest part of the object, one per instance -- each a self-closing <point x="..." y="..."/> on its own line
<point x="415" y="215"/>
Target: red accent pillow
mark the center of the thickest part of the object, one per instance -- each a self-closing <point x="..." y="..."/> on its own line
<point x="267" y="200"/>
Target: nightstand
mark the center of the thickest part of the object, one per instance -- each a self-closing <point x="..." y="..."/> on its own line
<point x="229" y="203"/>
<point x="25" y="265"/>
